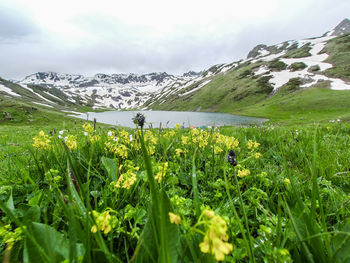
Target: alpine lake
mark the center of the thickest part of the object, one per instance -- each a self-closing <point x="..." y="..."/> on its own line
<point x="168" y="119"/>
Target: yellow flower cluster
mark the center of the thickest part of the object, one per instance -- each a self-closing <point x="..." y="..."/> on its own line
<point x="104" y="222"/>
<point x="286" y="181"/>
<point x="226" y="142"/>
<point x="178" y="151"/>
<point x="184" y="140"/>
<point x="71" y="142"/>
<point x="243" y="173"/>
<point x="217" y="149"/>
<point x="10" y="237"/>
<point x="252" y="145"/>
<point x="200" y="137"/>
<point x="116" y="147"/>
<point x="215" y="238"/>
<point x="93" y="138"/>
<point x="124" y="135"/>
<point x="89" y="131"/>
<point x="161" y="171"/>
<point x="127" y="179"/>
<point x="42" y="141"/>
<point x="257" y="155"/>
<point x="174" y="218"/>
<point x="88" y="127"/>
<point x="151" y="142"/>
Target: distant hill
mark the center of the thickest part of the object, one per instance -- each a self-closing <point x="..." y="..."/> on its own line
<point x="287" y="69"/>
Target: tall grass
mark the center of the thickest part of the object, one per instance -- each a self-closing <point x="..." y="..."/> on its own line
<point x="92" y="203"/>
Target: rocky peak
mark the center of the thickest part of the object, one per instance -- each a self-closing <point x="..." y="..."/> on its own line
<point x="256" y="51"/>
<point x="191" y="74"/>
<point x="342" y="28"/>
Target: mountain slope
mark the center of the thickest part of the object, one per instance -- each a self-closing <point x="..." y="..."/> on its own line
<point x="268" y="76"/>
<point x="119" y="91"/>
<point x="291" y="67"/>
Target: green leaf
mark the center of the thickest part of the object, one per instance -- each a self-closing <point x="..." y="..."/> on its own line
<point x="149" y="250"/>
<point x="110" y="165"/>
<point x="10" y="203"/>
<point x="341" y="244"/>
<point x="32" y="214"/>
<point x="53" y="243"/>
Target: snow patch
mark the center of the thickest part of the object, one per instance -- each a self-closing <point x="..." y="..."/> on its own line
<point x="42" y="104"/>
<point x="197" y="88"/>
<point x="262" y="70"/>
<point x="8" y="91"/>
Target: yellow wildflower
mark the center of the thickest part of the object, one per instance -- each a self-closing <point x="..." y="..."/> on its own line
<point x="226" y="141"/>
<point x="202" y="142"/>
<point x="178" y="152"/>
<point x="94" y="138"/>
<point x="257" y="155"/>
<point x="71" y="142"/>
<point x="217" y="149"/>
<point x="286" y="181"/>
<point x="171" y="133"/>
<point x="104" y="222"/>
<point x="214" y="241"/>
<point x="94" y="229"/>
<point x="127" y="179"/>
<point x="161" y="171"/>
<point x="10" y="237"/>
<point x="208" y="213"/>
<point x="184" y="140"/>
<point x="174" y="218"/>
<point x="125" y="135"/>
<point x="252" y="145"/>
<point x="243" y="173"/>
<point x="42" y="141"/>
<point x="88" y="127"/>
<point x="177" y="126"/>
<point x="115" y="147"/>
<point x="149" y="138"/>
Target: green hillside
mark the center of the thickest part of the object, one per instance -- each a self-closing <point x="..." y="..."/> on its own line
<point x="240" y="91"/>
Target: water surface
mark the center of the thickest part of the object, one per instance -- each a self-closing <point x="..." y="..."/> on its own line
<point x="168" y="119"/>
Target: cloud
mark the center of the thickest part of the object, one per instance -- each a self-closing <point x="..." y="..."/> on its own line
<point x="15" y="24"/>
<point x="88" y="38"/>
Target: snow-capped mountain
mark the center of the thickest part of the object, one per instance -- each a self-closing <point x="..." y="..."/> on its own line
<point x="119" y="91"/>
<point x="290" y="65"/>
<point x="269" y="68"/>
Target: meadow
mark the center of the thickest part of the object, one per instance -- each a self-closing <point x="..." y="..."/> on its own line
<point x="79" y="192"/>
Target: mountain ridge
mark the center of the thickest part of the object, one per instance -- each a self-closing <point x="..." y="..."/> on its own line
<point x="266" y="69"/>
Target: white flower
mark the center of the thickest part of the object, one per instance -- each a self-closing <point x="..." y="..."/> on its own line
<point x="61" y="132"/>
<point x="86" y="134"/>
<point x="338" y="120"/>
<point x="65" y="138"/>
<point x="130" y="136"/>
<point x="59" y="136"/>
<point x="115" y="139"/>
<point x="209" y="127"/>
<point x="110" y="133"/>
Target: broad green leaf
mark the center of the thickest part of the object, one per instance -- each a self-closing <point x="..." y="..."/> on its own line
<point x="110" y="165"/>
<point x="53" y="243"/>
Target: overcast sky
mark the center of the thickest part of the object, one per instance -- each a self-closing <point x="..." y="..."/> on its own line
<point x="122" y="36"/>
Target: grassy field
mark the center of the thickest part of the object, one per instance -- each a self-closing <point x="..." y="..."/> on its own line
<point x="70" y="192"/>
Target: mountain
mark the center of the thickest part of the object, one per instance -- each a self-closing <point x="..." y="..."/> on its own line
<point x="288" y="68"/>
<point x="268" y="72"/>
<point x="119" y="91"/>
<point x="342" y="28"/>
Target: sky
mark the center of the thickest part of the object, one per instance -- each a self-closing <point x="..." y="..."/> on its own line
<point x="142" y="36"/>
